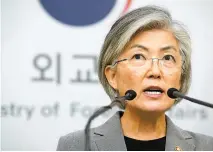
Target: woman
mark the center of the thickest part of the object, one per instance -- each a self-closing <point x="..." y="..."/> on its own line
<point x="148" y="52"/>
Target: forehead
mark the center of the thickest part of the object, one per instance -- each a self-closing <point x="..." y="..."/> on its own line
<point x="153" y="40"/>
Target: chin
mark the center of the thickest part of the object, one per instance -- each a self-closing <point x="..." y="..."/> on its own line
<point x="153" y="106"/>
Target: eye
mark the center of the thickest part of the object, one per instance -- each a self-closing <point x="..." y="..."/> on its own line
<point x="139" y="57"/>
<point x="169" y="58"/>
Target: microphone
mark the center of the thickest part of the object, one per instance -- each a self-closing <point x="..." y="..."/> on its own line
<point x="174" y="93"/>
<point x="121" y="101"/>
<point x="129" y="95"/>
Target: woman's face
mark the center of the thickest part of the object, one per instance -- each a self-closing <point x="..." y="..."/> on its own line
<point x="149" y="78"/>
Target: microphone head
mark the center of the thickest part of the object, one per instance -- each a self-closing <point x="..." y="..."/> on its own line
<point x="170" y="92"/>
<point x="130" y="94"/>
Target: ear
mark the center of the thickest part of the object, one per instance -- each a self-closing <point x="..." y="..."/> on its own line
<point x="110" y="74"/>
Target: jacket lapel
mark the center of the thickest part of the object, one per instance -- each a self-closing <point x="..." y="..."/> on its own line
<point x="109" y="136"/>
<point x="177" y="139"/>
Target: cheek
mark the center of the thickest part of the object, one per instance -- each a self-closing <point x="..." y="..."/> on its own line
<point x="173" y="79"/>
<point x="128" y="78"/>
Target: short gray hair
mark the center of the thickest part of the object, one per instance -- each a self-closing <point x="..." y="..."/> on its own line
<point x="143" y="19"/>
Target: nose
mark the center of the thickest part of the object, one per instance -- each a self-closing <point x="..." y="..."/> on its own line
<point x="154" y="71"/>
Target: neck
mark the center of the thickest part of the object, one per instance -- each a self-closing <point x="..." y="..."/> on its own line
<point x="143" y="125"/>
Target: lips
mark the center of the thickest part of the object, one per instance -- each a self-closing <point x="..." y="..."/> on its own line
<point x="153" y="91"/>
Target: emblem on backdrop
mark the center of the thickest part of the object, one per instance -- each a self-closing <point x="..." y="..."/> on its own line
<point x="80" y="12"/>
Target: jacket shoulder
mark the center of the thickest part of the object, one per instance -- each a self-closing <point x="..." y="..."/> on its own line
<point x="201" y="141"/>
<point x="72" y="141"/>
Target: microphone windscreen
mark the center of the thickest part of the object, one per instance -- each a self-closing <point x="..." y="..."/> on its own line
<point x="170" y="92"/>
<point x="130" y="94"/>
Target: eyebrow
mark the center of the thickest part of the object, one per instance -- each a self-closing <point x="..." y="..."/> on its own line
<point x="139" y="46"/>
<point x="170" y="47"/>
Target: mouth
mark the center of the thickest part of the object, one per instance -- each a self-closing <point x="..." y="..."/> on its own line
<point x="153" y="91"/>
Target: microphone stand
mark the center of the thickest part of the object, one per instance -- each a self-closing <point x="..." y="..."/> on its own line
<point x="178" y="94"/>
<point x="120" y="101"/>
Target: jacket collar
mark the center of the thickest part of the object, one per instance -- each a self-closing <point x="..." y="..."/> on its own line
<point x="177" y="139"/>
<point x="109" y="136"/>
